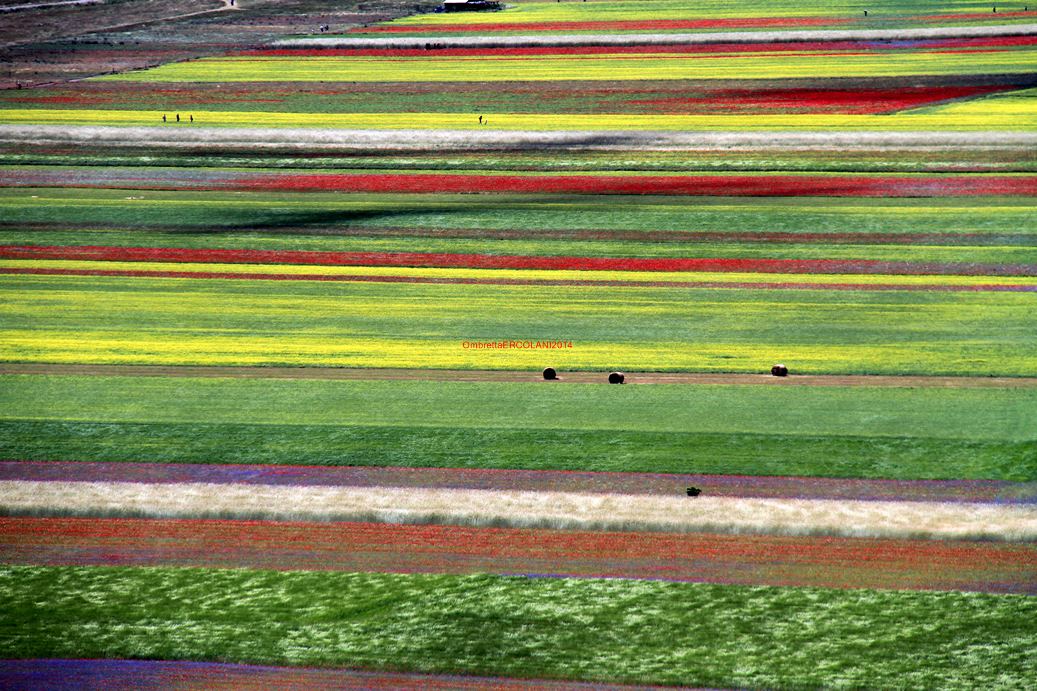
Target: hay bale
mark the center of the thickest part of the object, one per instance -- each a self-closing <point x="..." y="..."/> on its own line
<point x="550" y="374"/>
<point x="694" y="491"/>
<point x="616" y="378"/>
<point x="780" y="370"/>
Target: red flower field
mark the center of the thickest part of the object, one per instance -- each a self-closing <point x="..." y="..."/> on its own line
<point x="712" y="558"/>
<point x="495" y="261"/>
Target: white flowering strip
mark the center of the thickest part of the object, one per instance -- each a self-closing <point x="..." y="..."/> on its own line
<point x="525" y="509"/>
<point x="568" y="40"/>
<point x="327" y="140"/>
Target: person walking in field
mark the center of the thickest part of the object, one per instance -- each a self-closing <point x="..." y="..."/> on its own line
<point x="163" y="117"/>
<point x="178" y="117"/>
<point x="192" y="117"/>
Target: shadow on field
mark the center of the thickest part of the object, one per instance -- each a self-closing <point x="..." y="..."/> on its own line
<point x="358" y="221"/>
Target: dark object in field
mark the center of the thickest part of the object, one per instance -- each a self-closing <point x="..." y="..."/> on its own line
<point x="470" y="5"/>
<point x="694" y="491"/>
<point x="780" y="371"/>
<point x="616" y="378"/>
<point x="550" y="374"/>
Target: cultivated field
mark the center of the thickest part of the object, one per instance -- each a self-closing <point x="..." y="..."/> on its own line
<point x="274" y="313"/>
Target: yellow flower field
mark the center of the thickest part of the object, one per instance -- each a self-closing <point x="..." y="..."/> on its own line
<point x="1013" y="117"/>
<point x="518" y="274"/>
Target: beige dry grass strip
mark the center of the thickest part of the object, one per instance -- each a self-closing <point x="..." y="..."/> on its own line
<point x="567" y="40"/>
<point x="295" y="139"/>
<point x="524" y="509"/>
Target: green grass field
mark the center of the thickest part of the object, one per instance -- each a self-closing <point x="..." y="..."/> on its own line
<point x="832" y="431"/>
<point x="224" y="212"/>
<point x="639" y="632"/>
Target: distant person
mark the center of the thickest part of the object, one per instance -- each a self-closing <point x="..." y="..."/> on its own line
<point x="178" y="117"/>
<point x="480" y="119"/>
<point x="192" y="117"/>
<point x="163" y="118"/>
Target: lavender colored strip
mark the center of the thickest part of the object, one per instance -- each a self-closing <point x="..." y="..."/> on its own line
<point x="118" y="675"/>
<point x="963" y="491"/>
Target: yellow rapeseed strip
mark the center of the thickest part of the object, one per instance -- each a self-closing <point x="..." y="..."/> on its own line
<point x="977" y="119"/>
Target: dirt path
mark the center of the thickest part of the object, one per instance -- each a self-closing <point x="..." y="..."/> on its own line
<point x="336" y="373"/>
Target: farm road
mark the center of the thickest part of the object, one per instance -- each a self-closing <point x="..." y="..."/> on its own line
<point x="567" y="40"/>
<point x="514" y="376"/>
<point x="327" y="140"/>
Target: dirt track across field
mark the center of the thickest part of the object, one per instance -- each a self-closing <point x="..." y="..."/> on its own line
<point x="514" y="376"/>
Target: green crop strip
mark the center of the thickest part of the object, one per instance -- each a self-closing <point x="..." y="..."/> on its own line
<point x="759" y="453"/>
<point x="644" y="632"/>
<point x="901" y="433"/>
<point x="229" y="212"/>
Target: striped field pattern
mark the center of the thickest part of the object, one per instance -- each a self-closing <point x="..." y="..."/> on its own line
<point x="278" y="326"/>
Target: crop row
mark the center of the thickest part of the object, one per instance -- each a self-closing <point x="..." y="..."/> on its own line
<point x="387" y="548"/>
<point x="614" y="630"/>
<point x="110" y="320"/>
<point x="1007" y="116"/>
<point x="540" y="509"/>
<point x="900" y="229"/>
<point x="514" y="480"/>
<point x="586" y="46"/>
<point x="665" y="97"/>
<point x="529" y="17"/>
<point x="758" y="185"/>
<point x="557" y="269"/>
<point x="942" y="158"/>
<point x="967" y="252"/>
<point x="506" y="277"/>
<point x="831" y="431"/>
<point x="432" y="68"/>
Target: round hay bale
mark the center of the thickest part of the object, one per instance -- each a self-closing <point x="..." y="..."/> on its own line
<point x="616" y="378"/>
<point x="780" y="370"/>
<point x="550" y="374"/>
